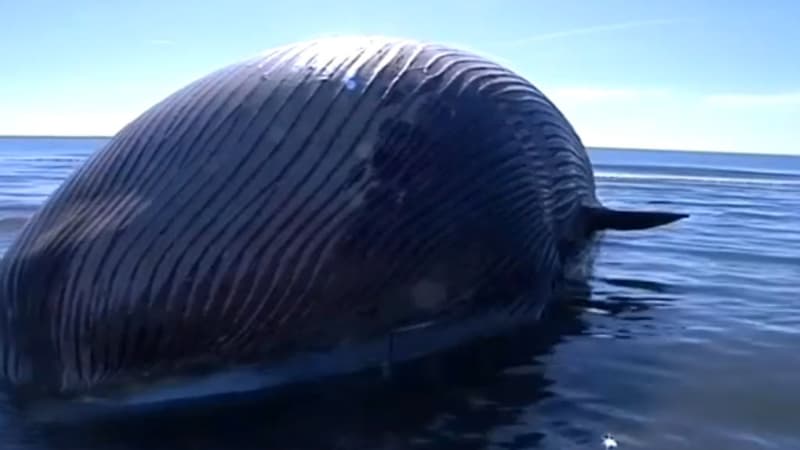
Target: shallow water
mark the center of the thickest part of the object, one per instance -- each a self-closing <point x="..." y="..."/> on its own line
<point x="686" y="342"/>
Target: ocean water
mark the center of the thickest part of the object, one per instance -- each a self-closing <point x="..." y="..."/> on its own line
<point x="688" y="339"/>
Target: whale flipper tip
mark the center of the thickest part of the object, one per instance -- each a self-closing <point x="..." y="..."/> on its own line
<point x="601" y="218"/>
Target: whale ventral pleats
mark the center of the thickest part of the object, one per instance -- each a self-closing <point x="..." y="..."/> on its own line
<point x="287" y="215"/>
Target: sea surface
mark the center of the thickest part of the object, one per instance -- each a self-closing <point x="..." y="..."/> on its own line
<point x="690" y="338"/>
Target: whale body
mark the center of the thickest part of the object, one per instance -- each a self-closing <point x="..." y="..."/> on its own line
<point x="316" y="209"/>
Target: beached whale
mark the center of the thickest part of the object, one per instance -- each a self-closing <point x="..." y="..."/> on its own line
<point x="327" y="206"/>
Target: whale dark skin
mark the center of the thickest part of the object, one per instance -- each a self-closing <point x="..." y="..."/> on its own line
<point x="313" y="200"/>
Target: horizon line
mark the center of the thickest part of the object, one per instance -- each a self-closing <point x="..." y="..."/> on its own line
<point x="587" y="146"/>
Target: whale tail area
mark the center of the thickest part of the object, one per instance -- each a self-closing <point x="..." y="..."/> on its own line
<point x="600" y="218"/>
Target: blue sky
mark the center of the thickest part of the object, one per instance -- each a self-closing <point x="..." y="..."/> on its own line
<point x="679" y="74"/>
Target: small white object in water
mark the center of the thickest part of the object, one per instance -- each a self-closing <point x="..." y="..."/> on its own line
<point x="609" y="442"/>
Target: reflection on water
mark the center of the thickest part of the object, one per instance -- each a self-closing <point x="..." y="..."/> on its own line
<point x="479" y="396"/>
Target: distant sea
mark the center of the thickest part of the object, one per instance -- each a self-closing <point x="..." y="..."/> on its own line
<point x="689" y="339"/>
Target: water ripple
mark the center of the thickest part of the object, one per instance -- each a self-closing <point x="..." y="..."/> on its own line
<point x="687" y="340"/>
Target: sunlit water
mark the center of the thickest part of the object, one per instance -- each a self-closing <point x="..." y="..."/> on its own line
<point x="689" y="339"/>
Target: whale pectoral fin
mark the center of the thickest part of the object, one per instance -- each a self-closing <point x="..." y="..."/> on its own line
<point x="601" y="218"/>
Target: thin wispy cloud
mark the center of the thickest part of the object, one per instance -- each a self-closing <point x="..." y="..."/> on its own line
<point x="599" y="94"/>
<point x="161" y="42"/>
<point x="754" y="100"/>
<point x="595" y="29"/>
